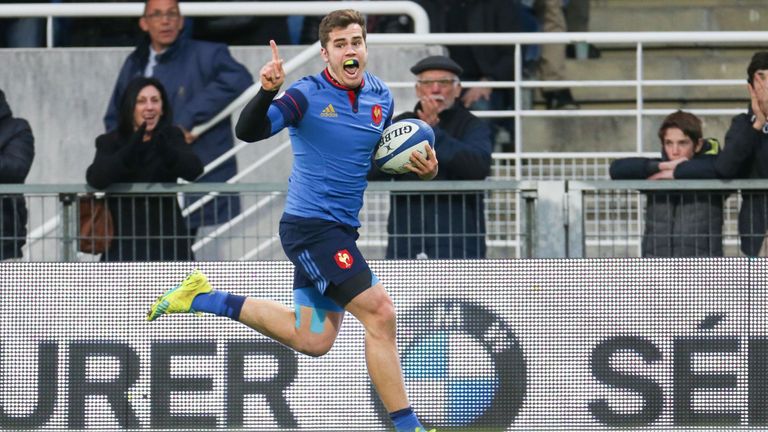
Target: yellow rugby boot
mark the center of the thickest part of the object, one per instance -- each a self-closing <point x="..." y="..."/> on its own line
<point x="179" y="299"/>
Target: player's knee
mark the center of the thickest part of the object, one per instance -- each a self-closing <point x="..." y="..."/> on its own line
<point x="384" y="319"/>
<point x="316" y="347"/>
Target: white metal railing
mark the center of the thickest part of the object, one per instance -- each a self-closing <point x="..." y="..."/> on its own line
<point x="637" y="39"/>
<point x="562" y="218"/>
<point x="519" y="39"/>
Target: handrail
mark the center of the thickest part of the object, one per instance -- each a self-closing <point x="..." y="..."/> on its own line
<point x="535" y="38"/>
<point x="260" y="187"/>
<point x="535" y="190"/>
<point x="278" y="8"/>
<point x="603" y="38"/>
<point x="384" y="186"/>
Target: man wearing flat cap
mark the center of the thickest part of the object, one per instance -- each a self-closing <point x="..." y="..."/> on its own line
<point x="442" y="225"/>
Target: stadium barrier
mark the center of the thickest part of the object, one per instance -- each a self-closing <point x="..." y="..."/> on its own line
<point x="544" y="218"/>
<point x="594" y="344"/>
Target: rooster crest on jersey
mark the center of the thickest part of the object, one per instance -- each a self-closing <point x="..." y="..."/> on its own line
<point x="398" y="141"/>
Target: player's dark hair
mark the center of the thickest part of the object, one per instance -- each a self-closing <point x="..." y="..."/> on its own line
<point x="128" y="104"/>
<point x="759" y="61"/>
<point x="339" y="19"/>
<point x="688" y="123"/>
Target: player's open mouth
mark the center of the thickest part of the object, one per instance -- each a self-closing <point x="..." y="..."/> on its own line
<point x="351" y="66"/>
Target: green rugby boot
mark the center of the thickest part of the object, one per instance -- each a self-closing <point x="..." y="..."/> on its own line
<point x="179" y="299"/>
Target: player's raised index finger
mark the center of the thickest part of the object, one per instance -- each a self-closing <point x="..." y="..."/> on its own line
<point x="275" y="53"/>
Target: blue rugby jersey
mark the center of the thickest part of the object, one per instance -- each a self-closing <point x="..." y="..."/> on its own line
<point x="333" y="133"/>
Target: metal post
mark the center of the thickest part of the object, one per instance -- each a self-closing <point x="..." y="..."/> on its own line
<point x="575" y="221"/>
<point x="551" y="238"/>
<point x="529" y="224"/>
<point x="68" y="227"/>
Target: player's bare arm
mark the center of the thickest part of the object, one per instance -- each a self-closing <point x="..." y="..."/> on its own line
<point x="271" y="74"/>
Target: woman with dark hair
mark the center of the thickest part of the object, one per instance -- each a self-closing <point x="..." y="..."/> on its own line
<point x="145" y="148"/>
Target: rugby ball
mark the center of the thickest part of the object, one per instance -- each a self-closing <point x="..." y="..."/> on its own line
<point x="398" y="141"/>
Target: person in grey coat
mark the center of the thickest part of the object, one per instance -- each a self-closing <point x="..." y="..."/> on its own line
<point x="678" y="223"/>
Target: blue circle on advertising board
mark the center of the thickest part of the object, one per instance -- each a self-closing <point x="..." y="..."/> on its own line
<point x="462" y="364"/>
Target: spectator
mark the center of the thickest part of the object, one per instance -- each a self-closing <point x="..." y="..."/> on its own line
<point x="201" y="78"/>
<point x="17" y="150"/>
<point x="442" y="225"/>
<point x="95" y="31"/>
<point x="745" y="156"/>
<point x="22" y="32"/>
<point x="577" y="20"/>
<point x="145" y="147"/>
<point x="483" y="62"/>
<point x="678" y="224"/>
<point x="552" y="61"/>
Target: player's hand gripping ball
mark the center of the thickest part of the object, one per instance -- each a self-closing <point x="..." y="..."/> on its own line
<point x="398" y="141"/>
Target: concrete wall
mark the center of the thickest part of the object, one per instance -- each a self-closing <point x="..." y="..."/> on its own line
<point x="63" y="93"/>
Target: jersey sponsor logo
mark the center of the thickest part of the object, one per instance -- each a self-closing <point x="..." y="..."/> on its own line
<point x="344" y="259"/>
<point x="376" y="114"/>
<point x="329" y="111"/>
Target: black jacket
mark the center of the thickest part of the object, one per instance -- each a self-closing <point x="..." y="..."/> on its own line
<point x="146" y="227"/>
<point x="443" y="225"/>
<point x="17" y="151"/>
<point x="677" y="223"/>
<point x="744" y="156"/>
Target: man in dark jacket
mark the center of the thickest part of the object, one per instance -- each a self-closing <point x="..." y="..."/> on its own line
<point x="16" y="153"/>
<point x="745" y="155"/>
<point x="201" y="78"/>
<point x="442" y="225"/>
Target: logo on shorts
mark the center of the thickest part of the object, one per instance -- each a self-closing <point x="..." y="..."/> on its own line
<point x="343" y="259"/>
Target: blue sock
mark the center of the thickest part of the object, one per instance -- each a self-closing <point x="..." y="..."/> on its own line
<point x="405" y="420"/>
<point x="219" y="303"/>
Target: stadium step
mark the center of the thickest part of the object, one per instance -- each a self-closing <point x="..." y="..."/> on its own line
<point x="678" y="15"/>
